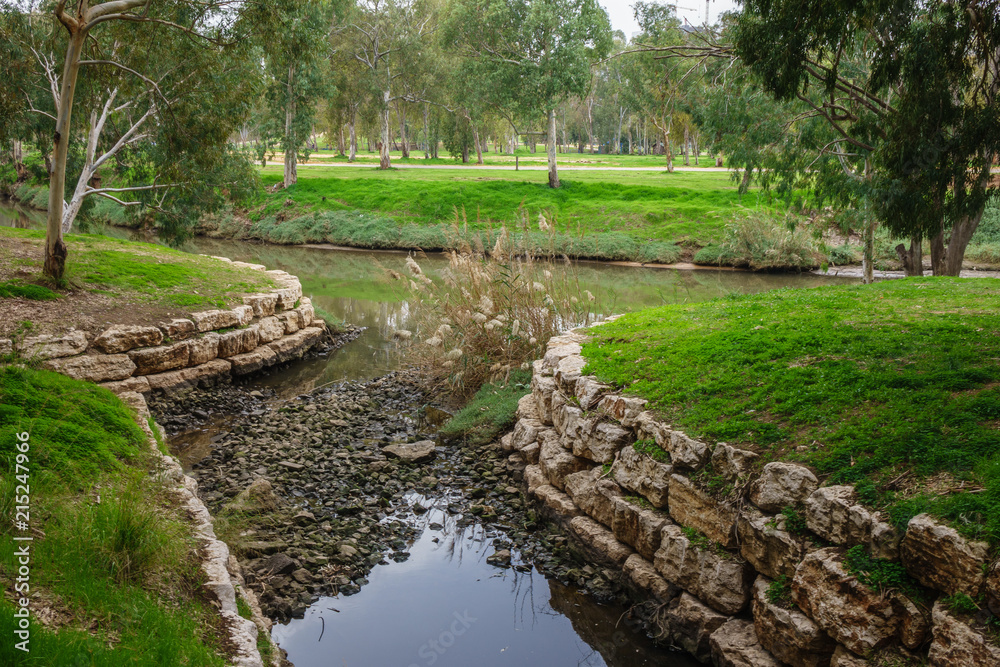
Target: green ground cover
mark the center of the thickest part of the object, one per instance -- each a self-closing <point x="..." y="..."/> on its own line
<point x="490" y="413"/>
<point x="111" y="564"/>
<point x="893" y="387"/>
<point x="143" y="277"/>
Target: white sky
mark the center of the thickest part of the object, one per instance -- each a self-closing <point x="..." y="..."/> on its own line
<point x="620" y="12"/>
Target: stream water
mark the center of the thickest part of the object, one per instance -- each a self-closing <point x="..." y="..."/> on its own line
<point x="445" y="605"/>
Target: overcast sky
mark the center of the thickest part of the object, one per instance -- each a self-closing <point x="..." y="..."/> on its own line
<point x="620" y="12"/>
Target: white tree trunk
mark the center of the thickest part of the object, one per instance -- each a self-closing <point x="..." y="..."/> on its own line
<point x="550" y="149"/>
<point x="291" y="142"/>
<point x="384" y="162"/>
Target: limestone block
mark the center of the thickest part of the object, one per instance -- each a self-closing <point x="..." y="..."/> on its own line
<point x="178" y="329"/>
<point x="531" y="452"/>
<point x="782" y="485"/>
<point x="250" y="362"/>
<point x="158" y="359"/>
<point x="205" y="375"/>
<point x="525" y="432"/>
<point x="93" y="367"/>
<point x="788" y="634"/>
<point x="690" y="625"/>
<point x="938" y="557"/>
<point x="624" y="409"/>
<point x="644" y="576"/>
<point x="955" y="643"/>
<point x="295" y="345"/>
<point x="526" y="408"/>
<point x="599" y="442"/>
<point x="833" y="513"/>
<point x="858" y="617"/>
<point x="883" y="538"/>
<point x="639" y="527"/>
<point x="594" y="495"/>
<point x="290" y="320"/>
<point x="54" y="347"/>
<point x="599" y="540"/>
<point x="767" y="546"/>
<point x="558" y="349"/>
<point x="120" y="338"/>
<point x="556" y="502"/>
<point x="686" y="452"/>
<point x="735" y="644"/>
<point x="138" y="385"/>
<point x="541" y="389"/>
<point x="589" y="391"/>
<point x="993" y="589"/>
<point x="844" y="658"/>
<point x="211" y="320"/>
<point x="262" y="304"/>
<point x="642" y="474"/>
<point x="270" y="329"/>
<point x="568" y="371"/>
<point x="534" y="477"/>
<point x="735" y="465"/>
<point x="287" y="295"/>
<point x="692" y="507"/>
<point x="306" y="311"/>
<point x="203" y="349"/>
<point x="720" y="581"/>
<point x="244" y="315"/>
<point x="557" y="463"/>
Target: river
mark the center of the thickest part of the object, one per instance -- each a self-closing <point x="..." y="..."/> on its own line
<point x="445" y="605"/>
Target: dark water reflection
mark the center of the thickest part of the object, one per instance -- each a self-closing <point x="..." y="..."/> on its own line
<point x="446" y="606"/>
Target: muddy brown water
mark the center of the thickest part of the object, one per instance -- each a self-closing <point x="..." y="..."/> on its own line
<point x="445" y="605"/>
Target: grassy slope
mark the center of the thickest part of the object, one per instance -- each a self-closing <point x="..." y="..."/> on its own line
<point x="110" y="555"/>
<point x="490" y="412"/>
<point x="891" y="387"/>
<point x="149" y="276"/>
<point x="675" y="207"/>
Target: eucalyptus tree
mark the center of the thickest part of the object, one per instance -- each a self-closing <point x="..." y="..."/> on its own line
<point x="909" y="88"/>
<point x="164" y="114"/>
<point x="534" y="53"/>
<point x="298" y="60"/>
<point x="386" y="34"/>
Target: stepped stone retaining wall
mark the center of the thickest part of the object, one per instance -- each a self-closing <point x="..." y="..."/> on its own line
<point x="710" y="561"/>
<point x="202" y="349"/>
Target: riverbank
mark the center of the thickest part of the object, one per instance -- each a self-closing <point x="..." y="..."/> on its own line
<point x="755" y="552"/>
<point x="112" y="572"/>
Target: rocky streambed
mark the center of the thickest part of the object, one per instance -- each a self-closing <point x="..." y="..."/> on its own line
<point x="313" y="492"/>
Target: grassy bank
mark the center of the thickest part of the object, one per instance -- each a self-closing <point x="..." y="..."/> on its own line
<point x="112" y="280"/>
<point x="891" y="387"/>
<point x="112" y="580"/>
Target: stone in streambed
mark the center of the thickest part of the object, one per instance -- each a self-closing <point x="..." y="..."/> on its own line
<point x="412" y="452"/>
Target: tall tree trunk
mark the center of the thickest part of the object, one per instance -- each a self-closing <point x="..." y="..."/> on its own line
<point x="550" y="149"/>
<point x="384" y="161"/>
<point x="403" y="140"/>
<point x="668" y="148"/>
<point x="952" y="255"/>
<point x="427" y="131"/>
<point x="687" y="150"/>
<point x="353" y="135"/>
<point x="475" y="140"/>
<point x="718" y="160"/>
<point x="868" y="252"/>
<point x="55" y="248"/>
<point x="697" y="151"/>
<point x="17" y="154"/>
<point x="618" y="134"/>
<point x="340" y="141"/>
<point x="912" y="258"/>
<point x="291" y="141"/>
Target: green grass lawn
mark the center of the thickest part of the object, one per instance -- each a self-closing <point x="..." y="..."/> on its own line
<point x="134" y="279"/>
<point x="604" y="215"/>
<point x="893" y="387"/>
<point x="111" y="564"/>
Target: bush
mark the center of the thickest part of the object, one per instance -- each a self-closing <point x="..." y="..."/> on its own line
<point x="763" y="242"/>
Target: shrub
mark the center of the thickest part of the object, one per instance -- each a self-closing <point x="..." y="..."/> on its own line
<point x="763" y="242"/>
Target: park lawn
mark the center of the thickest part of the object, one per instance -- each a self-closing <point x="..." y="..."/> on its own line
<point x="526" y="158"/>
<point x="893" y="387"/>
<point x="683" y="207"/>
<point x="113" y="280"/>
<point x="111" y="561"/>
